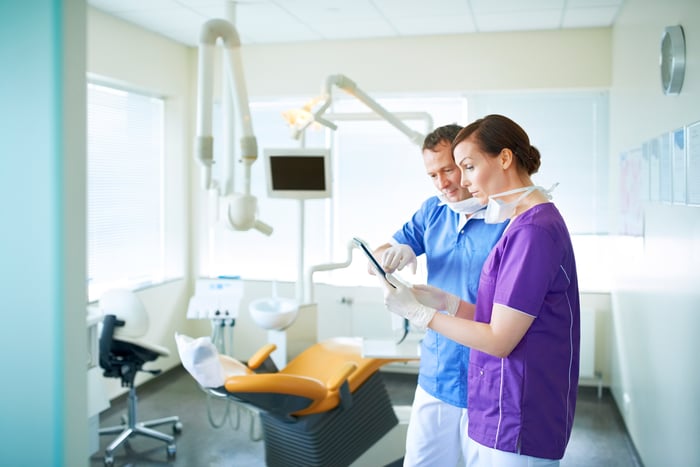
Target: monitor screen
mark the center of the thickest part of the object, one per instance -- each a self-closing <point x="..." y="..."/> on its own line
<point x="299" y="173"/>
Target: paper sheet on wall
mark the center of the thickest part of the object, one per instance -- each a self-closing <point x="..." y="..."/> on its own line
<point x="665" y="168"/>
<point x="679" y="169"/>
<point x="693" y="164"/>
<point x="634" y="191"/>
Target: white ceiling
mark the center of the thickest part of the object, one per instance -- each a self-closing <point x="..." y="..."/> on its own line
<point x="277" y="21"/>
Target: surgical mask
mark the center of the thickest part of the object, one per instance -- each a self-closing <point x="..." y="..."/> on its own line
<point x="498" y="211"/>
<point x="466" y="206"/>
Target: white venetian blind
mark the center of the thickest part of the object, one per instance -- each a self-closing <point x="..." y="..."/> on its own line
<point x="125" y="189"/>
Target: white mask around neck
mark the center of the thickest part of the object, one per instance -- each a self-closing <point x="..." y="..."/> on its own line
<point x="498" y="211"/>
<point x="466" y="206"/>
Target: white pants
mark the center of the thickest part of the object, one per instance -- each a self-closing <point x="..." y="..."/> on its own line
<point x="437" y="433"/>
<point x="481" y="456"/>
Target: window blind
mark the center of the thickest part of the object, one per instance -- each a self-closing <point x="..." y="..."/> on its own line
<point x="125" y="189"/>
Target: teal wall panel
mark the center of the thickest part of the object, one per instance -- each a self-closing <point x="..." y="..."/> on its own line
<point x="37" y="277"/>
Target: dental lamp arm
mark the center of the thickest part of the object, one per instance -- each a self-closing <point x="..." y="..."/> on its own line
<point x="211" y="31"/>
<point x="204" y="144"/>
<point x="349" y="86"/>
<point x="249" y="144"/>
<point x="245" y="205"/>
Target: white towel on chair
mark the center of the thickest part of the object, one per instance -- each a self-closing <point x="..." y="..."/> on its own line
<point x="201" y="359"/>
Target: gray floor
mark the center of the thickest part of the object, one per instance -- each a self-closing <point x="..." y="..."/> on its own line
<point x="599" y="437"/>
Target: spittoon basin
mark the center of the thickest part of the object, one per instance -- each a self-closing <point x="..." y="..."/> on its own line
<point x="274" y="313"/>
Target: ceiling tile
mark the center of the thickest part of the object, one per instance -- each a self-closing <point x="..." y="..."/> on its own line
<point x="269" y="23"/>
<point x="589" y="17"/>
<point x="434" y="25"/>
<point x="480" y="7"/>
<point x="213" y="3"/>
<point x="593" y="3"/>
<point x="135" y="5"/>
<point x="272" y="21"/>
<point x="421" y="8"/>
<point x="355" y="29"/>
<point x="523" y="20"/>
<point x="211" y="11"/>
<point x="328" y="11"/>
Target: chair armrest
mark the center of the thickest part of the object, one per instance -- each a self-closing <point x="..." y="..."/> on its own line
<point x="278" y="394"/>
<point x="260" y="356"/>
<point x="277" y="383"/>
<point x="341" y="376"/>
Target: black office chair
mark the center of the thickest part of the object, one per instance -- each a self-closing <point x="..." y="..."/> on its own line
<point x="122" y="357"/>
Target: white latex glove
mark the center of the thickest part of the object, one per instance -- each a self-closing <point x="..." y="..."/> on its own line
<point x="436" y="298"/>
<point x="398" y="257"/>
<point x="400" y="300"/>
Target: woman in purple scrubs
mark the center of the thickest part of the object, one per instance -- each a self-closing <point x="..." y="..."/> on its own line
<point x="524" y="327"/>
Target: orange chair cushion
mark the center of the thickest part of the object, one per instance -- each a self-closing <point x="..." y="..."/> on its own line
<point x="317" y="373"/>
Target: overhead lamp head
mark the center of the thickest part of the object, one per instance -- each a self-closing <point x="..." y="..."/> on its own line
<point x="300" y="119"/>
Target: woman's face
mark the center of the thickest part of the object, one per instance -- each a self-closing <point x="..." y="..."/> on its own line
<point x="482" y="174"/>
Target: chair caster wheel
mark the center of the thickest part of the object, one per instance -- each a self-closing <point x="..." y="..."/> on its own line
<point x="109" y="461"/>
<point x="171" y="451"/>
<point x="177" y="428"/>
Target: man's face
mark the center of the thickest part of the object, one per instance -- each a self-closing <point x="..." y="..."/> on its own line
<point x="444" y="173"/>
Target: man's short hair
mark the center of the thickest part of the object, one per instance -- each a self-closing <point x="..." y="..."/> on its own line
<point x="445" y="133"/>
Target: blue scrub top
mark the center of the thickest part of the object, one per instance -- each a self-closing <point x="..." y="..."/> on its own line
<point x="454" y="257"/>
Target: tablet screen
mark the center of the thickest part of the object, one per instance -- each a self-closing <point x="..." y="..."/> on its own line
<point x="375" y="263"/>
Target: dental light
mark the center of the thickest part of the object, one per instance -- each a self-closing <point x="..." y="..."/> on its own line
<point x="241" y="208"/>
<point x="300" y="119"/>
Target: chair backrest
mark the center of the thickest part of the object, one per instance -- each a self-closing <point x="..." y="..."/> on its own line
<point x="119" y="358"/>
<point x="127" y="307"/>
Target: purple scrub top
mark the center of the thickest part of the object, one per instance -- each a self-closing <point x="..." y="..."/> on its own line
<point x="525" y="403"/>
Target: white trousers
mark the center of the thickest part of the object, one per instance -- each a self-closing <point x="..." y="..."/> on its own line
<point x="481" y="456"/>
<point x="437" y="433"/>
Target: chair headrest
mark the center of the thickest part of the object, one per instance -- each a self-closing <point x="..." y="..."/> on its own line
<point x="126" y="306"/>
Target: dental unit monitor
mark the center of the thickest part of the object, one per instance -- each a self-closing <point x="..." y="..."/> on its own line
<point x="298" y="173"/>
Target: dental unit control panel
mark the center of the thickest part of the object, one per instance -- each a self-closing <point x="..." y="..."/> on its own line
<point x="216" y="299"/>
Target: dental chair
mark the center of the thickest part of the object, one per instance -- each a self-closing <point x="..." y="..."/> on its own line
<point x="325" y="408"/>
<point x="122" y="355"/>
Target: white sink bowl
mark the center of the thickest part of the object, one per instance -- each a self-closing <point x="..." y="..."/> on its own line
<point x="274" y="313"/>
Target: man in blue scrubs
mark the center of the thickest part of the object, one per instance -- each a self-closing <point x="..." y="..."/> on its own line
<point x="450" y="230"/>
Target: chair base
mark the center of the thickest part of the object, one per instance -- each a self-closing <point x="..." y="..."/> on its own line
<point x="337" y="437"/>
<point x="131" y="427"/>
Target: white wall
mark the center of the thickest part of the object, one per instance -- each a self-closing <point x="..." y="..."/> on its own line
<point x="656" y="301"/>
<point x="567" y="59"/>
<point x="470" y="62"/>
<point x="148" y="62"/>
